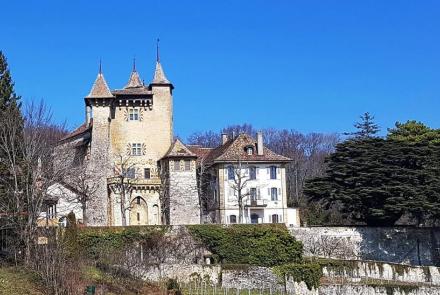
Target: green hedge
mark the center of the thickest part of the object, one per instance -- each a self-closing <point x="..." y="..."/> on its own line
<point x="96" y="242"/>
<point x="310" y="273"/>
<point x="262" y="245"/>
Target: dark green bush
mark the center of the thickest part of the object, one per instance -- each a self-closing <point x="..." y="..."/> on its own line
<point x="263" y="245"/>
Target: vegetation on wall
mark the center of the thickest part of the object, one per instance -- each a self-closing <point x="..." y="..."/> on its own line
<point x="262" y="245"/>
<point x="97" y="242"/>
<point x="309" y="273"/>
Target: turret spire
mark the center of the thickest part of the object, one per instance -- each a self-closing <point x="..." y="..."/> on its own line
<point x="100" y="87"/>
<point x="134" y="80"/>
<point x="157" y="51"/>
<point x="159" y="74"/>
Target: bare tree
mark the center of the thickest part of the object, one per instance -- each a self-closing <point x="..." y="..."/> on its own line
<point x="28" y="144"/>
<point x="240" y="173"/>
<point x="122" y="183"/>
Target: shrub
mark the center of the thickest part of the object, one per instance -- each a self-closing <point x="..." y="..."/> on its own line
<point x="97" y="243"/>
<point x="262" y="245"/>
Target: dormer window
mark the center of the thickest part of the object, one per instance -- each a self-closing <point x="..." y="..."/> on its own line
<point x="133" y="114"/>
<point x="249" y="150"/>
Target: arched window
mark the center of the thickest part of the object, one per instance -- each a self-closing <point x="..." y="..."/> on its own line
<point x="232" y="219"/>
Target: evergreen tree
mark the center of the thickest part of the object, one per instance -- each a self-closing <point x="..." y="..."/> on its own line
<point x="414" y="131"/>
<point x="376" y="181"/>
<point x="366" y="128"/>
<point x="9" y="108"/>
<point x="8" y="98"/>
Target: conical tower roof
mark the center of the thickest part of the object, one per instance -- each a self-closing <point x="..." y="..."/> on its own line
<point x="135" y="80"/>
<point x="159" y="75"/>
<point x="100" y="88"/>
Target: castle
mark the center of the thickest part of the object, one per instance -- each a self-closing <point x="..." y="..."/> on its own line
<point x="124" y="167"/>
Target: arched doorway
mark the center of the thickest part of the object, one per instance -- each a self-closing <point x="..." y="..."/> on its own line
<point x="138" y="212"/>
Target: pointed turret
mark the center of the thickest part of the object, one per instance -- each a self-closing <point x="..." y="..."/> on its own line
<point x="100" y="88"/>
<point x="135" y="80"/>
<point x="159" y="77"/>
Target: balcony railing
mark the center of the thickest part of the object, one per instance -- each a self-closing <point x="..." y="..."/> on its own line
<point x="256" y="203"/>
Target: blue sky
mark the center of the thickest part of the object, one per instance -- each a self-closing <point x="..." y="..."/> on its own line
<point x="313" y="66"/>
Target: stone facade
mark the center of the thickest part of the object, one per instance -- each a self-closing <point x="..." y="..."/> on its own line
<point x="180" y="184"/>
<point x="127" y="133"/>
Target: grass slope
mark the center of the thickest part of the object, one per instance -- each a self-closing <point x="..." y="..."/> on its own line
<point x="18" y="281"/>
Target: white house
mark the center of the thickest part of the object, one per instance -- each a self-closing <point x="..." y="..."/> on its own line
<point x="242" y="168"/>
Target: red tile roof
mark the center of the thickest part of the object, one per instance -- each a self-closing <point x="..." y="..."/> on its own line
<point x="80" y="130"/>
<point x="178" y="149"/>
<point x="235" y="150"/>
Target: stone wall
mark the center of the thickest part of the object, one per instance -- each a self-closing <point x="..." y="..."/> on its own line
<point x="183" y="193"/>
<point x="408" y="245"/>
<point x="355" y="271"/>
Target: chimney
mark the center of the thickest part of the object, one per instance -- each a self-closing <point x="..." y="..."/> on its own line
<point x="224" y="138"/>
<point x="260" y="146"/>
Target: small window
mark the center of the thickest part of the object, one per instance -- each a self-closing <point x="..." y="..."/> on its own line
<point x="253" y="173"/>
<point x="187" y="165"/>
<point x="147" y="173"/>
<point x="231" y="173"/>
<point x="129" y="173"/>
<point x="176" y="165"/>
<point x="274" y="194"/>
<point x="138" y="200"/>
<point x="136" y="149"/>
<point x="232" y="218"/>
<point x="133" y="114"/>
<point x="273" y="172"/>
<point x="138" y="216"/>
<point x="250" y="151"/>
<point x="275" y="218"/>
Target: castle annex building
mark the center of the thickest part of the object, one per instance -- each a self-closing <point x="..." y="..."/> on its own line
<point x="124" y="166"/>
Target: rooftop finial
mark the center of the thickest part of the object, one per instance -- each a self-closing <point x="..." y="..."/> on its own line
<point x="134" y="64"/>
<point x="157" y="50"/>
<point x="100" y="67"/>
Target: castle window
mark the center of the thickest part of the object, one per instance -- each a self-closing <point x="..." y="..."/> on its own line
<point x="136" y="149"/>
<point x="187" y="165"/>
<point x="253" y="172"/>
<point x="129" y="172"/>
<point x="138" y="216"/>
<point x="133" y="114"/>
<point x="232" y="219"/>
<point x="275" y="218"/>
<point x="147" y="173"/>
<point x="250" y="151"/>
<point x="176" y="165"/>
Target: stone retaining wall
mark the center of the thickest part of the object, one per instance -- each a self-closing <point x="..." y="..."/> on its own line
<point x="407" y="245"/>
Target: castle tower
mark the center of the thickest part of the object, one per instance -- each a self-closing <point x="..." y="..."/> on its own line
<point x="98" y="103"/>
<point x="181" y="200"/>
